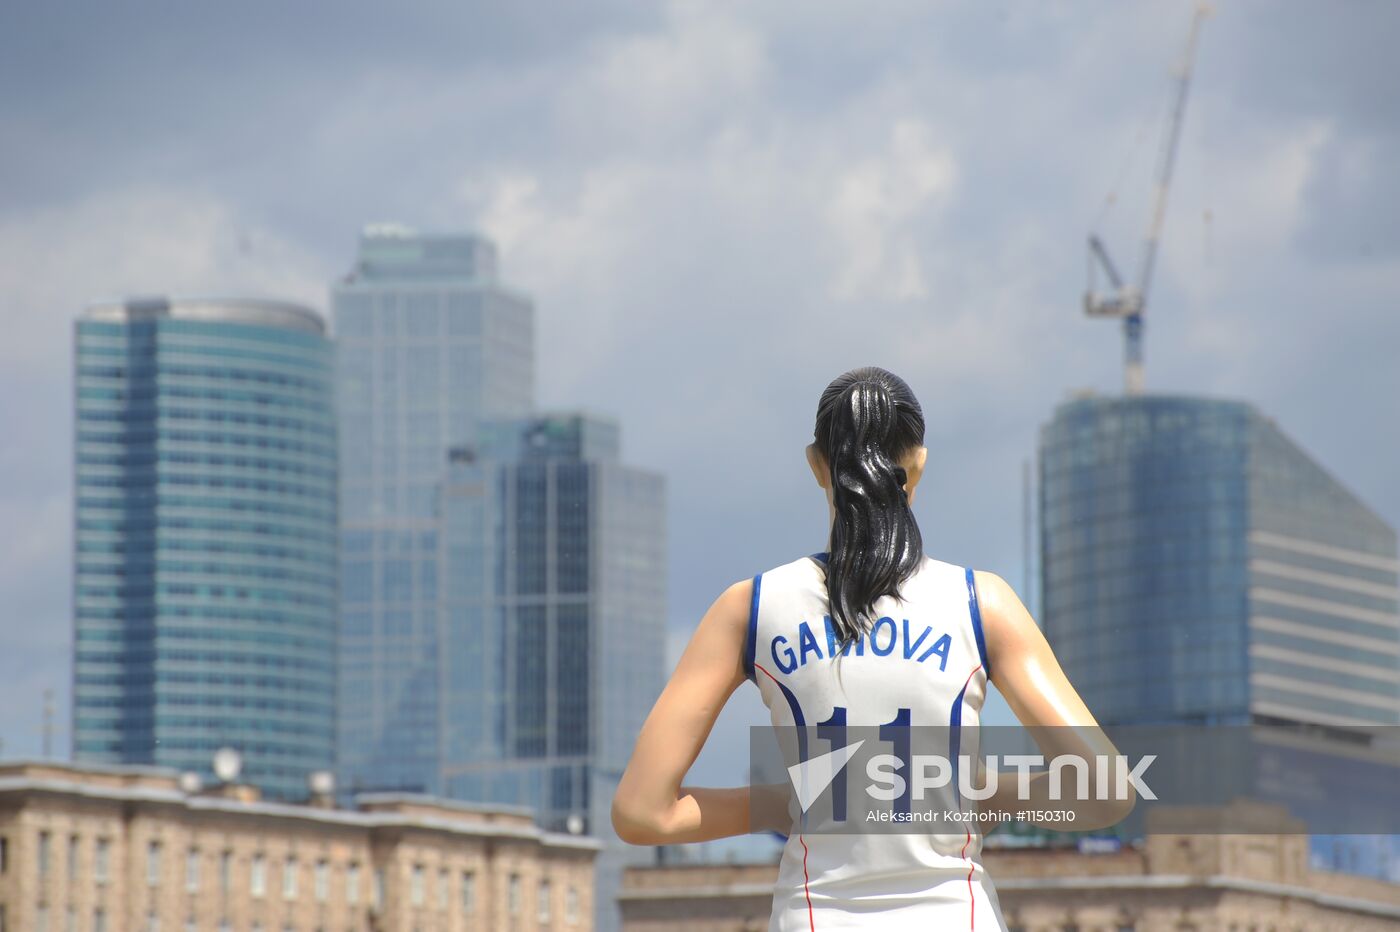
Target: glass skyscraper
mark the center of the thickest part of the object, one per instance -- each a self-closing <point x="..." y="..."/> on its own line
<point x="1199" y="567"/>
<point x="205" y="538"/>
<point x="555" y="595"/>
<point x="428" y="341"/>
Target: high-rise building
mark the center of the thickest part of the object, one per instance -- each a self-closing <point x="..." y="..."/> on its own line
<point x="428" y="341"/>
<point x="555" y="576"/>
<point x="205" y="537"/>
<point x="1199" y="567"/>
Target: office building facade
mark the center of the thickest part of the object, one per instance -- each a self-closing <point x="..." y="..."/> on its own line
<point x="1199" y="567"/>
<point x="555" y="556"/>
<point x="205" y="537"/>
<point x="428" y="341"/>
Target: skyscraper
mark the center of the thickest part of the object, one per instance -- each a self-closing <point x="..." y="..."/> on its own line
<point x="1198" y="566"/>
<point x="205" y="522"/>
<point x="428" y="341"/>
<point x="554" y="556"/>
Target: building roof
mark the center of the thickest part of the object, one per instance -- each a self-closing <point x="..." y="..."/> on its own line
<point x="160" y="786"/>
<point x="217" y="309"/>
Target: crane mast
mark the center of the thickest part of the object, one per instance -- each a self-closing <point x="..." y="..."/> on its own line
<point x="1128" y="300"/>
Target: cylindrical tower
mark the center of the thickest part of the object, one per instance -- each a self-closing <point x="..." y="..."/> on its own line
<point x="205" y="578"/>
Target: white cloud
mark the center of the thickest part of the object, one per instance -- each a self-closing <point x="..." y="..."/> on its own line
<point x="654" y="86"/>
<point x="136" y="241"/>
<point x="876" y="203"/>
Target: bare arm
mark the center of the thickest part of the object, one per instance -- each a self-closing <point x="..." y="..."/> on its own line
<point x="650" y="806"/>
<point x="1025" y="671"/>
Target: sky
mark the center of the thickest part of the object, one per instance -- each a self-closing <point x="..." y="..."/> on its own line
<point x="717" y="207"/>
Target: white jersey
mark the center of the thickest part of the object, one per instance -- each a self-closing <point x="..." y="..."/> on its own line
<point x="924" y="661"/>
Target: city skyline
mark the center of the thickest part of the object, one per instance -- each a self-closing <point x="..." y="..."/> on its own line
<point x="695" y="239"/>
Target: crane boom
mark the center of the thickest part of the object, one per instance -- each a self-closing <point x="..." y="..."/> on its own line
<point x="1128" y="301"/>
<point x="1167" y="158"/>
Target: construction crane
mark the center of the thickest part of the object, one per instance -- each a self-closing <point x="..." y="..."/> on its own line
<point x="1127" y="299"/>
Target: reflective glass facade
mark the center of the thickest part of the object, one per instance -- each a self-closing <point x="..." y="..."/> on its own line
<point x="205" y="538"/>
<point x="428" y="341"/>
<point x="1198" y="566"/>
<point x="555" y="555"/>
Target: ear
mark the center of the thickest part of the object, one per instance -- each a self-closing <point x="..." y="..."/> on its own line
<point x="817" y="462"/>
<point x="916" y="470"/>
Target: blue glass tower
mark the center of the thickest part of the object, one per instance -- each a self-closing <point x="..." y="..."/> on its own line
<point x="555" y="556"/>
<point x="205" y="538"/>
<point x="1198" y="566"/>
<point x="428" y="341"/>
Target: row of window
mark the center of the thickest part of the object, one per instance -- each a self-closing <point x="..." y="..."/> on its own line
<point x="321" y="879"/>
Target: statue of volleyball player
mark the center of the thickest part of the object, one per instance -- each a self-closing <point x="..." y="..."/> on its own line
<point x="868" y="455"/>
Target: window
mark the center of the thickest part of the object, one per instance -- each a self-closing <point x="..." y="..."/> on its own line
<point x="352" y="884"/>
<point x="73" y="841"/>
<point x="323" y="881"/>
<point x="192" y="870"/>
<point x="289" y="879"/>
<point x="70" y="921"/>
<point x="379" y="888"/>
<point x="152" y="863"/>
<point x="571" y="905"/>
<point x="442" y="892"/>
<point x="191" y="925"/>
<point x="43" y="854"/>
<point x="41" y="919"/>
<point x="416" y="886"/>
<point x="4" y="856"/>
<point x="99" y="920"/>
<point x="99" y="862"/>
<point x="152" y="923"/>
<point x="225" y="871"/>
<point x="513" y="895"/>
<point x="257" y="876"/>
<point x="542" y="901"/>
<point x="468" y="892"/>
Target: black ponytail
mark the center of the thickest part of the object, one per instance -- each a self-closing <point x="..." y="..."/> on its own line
<point x="867" y="420"/>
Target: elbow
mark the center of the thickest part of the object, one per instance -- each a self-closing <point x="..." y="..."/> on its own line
<point x="635" y="826"/>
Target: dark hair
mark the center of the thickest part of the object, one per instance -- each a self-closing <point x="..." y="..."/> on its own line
<point x="867" y="420"/>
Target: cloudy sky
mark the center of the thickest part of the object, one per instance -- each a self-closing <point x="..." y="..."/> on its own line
<point x="718" y="207"/>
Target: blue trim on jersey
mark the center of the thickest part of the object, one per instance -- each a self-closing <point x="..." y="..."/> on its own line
<point x="955" y="737"/>
<point x="977" y="624"/>
<point x="752" y="645"/>
<point x="821" y="557"/>
<point x="799" y="720"/>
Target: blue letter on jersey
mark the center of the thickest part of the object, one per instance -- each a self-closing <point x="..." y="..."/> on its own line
<point x="941" y="648"/>
<point x="787" y="652"/>
<point x="808" y="642"/>
<point x="875" y="636"/>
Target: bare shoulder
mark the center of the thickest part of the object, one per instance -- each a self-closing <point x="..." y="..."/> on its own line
<point x="719" y="640"/>
<point x="1006" y="623"/>
<point x="728" y="615"/>
<point x="735" y="601"/>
